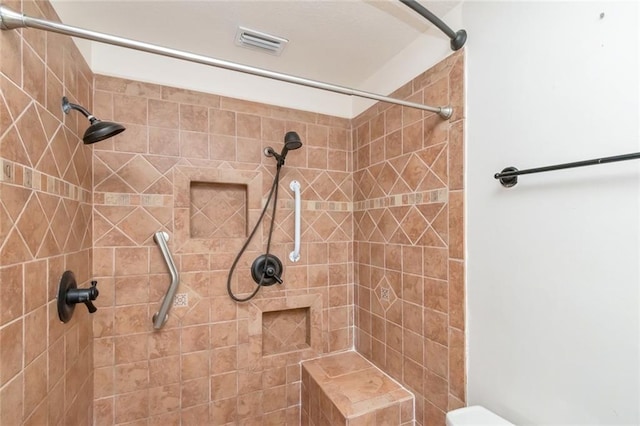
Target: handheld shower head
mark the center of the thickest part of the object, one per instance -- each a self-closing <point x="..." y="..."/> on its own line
<point x="291" y="141"/>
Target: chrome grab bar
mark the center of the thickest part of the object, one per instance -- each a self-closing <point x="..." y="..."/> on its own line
<point x="294" y="256"/>
<point x="161" y="317"/>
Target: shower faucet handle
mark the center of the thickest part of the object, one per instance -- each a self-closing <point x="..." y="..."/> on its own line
<point x="266" y="270"/>
<point x="93" y="295"/>
<point x="84" y="295"/>
<point x="270" y="272"/>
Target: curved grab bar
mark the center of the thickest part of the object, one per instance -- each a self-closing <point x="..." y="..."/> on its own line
<point x="161" y="317"/>
<point x="294" y="256"/>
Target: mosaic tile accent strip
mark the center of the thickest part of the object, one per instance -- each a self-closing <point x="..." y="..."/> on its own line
<point x="27" y="177"/>
<point x="434" y="196"/>
<point x="120" y="199"/>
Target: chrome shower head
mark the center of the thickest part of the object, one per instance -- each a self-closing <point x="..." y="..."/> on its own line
<point x="98" y="130"/>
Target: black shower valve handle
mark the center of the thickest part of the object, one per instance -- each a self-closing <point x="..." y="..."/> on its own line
<point x="93" y="295"/>
<point x="270" y="272"/>
<point x="84" y="295"/>
<point x="266" y="270"/>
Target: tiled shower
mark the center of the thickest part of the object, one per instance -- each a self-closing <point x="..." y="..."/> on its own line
<point x="207" y="361"/>
<point x="382" y="246"/>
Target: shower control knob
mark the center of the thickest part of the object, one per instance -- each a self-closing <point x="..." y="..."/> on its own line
<point x="84" y="295"/>
<point x="69" y="295"/>
<point x="271" y="273"/>
<point x="266" y="270"/>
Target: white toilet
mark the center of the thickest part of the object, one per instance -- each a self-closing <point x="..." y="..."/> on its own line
<point x="475" y="416"/>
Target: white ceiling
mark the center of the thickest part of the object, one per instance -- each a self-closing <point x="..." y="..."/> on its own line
<point x="340" y="42"/>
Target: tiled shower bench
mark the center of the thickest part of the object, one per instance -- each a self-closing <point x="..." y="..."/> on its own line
<point x="346" y="389"/>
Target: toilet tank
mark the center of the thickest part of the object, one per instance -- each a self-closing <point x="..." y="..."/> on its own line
<point x="475" y="416"/>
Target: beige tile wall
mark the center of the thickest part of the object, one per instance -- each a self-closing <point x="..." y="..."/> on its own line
<point x="408" y="240"/>
<point x="45" y="227"/>
<point x="206" y="366"/>
<point x="387" y="210"/>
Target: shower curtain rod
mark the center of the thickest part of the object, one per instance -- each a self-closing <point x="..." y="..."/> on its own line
<point x="508" y="177"/>
<point x="10" y="19"/>
<point x="458" y="38"/>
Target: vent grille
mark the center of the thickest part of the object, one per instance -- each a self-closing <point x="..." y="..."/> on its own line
<point x="263" y="42"/>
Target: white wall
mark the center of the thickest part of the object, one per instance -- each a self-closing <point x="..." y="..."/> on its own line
<point x="426" y="51"/>
<point x="553" y="263"/>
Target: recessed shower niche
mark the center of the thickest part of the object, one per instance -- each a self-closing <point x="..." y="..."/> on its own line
<point x="285" y="331"/>
<point x="214" y="207"/>
<point x="281" y="325"/>
<point x="218" y="210"/>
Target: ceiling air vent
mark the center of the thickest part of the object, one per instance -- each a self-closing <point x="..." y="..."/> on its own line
<point x="263" y="42"/>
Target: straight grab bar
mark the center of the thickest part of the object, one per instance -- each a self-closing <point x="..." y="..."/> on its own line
<point x="161" y="317"/>
<point x="294" y="256"/>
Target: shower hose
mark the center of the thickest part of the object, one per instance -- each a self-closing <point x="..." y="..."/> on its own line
<point x="272" y="193"/>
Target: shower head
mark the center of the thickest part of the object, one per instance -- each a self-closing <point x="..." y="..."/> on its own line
<point x="98" y="130"/>
<point x="291" y="141"/>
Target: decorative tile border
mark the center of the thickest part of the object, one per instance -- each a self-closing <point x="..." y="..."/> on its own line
<point x="160" y="200"/>
<point x="338" y="206"/>
<point x="27" y="177"/>
<point x="126" y="199"/>
<point x="428" y="197"/>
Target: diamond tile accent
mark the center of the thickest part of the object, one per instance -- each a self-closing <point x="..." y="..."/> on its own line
<point x="441" y="166"/>
<point x="414" y="172"/>
<point x="139" y="174"/>
<point x="61" y="224"/>
<point x="431" y="238"/>
<point x="139" y="226"/>
<point x="14" y="249"/>
<point x="431" y="182"/>
<point x="32" y="134"/>
<point x="431" y="153"/>
<point x="324" y="225"/>
<point x="387" y="225"/>
<point x="61" y="152"/>
<point x="114" y="183"/>
<point x="32" y="225"/>
<point x="385" y="294"/>
<point x="11" y="147"/>
<point x="387" y="178"/>
<point x="414" y="225"/>
<point x="364" y="184"/>
<point x="323" y="185"/>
